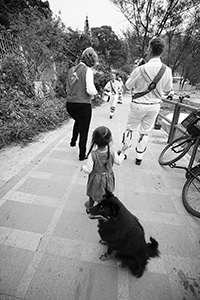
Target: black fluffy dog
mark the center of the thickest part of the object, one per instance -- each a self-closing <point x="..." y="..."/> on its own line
<point x="123" y="234"/>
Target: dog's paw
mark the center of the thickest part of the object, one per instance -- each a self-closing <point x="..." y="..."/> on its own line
<point x="102" y="242"/>
<point x="104" y="256"/>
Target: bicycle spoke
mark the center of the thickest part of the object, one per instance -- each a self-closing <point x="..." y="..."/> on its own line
<point x="191" y="195"/>
<point x="194" y="195"/>
<point x="178" y="148"/>
<point x="175" y="150"/>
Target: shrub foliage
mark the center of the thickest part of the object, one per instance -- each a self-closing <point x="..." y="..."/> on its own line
<point x="23" y="118"/>
<point x="23" y="115"/>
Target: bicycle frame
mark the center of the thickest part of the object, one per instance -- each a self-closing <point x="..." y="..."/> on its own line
<point x="193" y="174"/>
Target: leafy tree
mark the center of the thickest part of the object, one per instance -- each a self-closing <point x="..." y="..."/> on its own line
<point x="133" y="45"/>
<point x="189" y="67"/>
<point x="10" y="9"/>
<point x="176" y="20"/>
<point x="15" y="75"/>
<point x="110" y="47"/>
<point x="154" y="17"/>
<point x="4" y="18"/>
<point x="41" y="39"/>
<point x="183" y="45"/>
<point x="76" y="42"/>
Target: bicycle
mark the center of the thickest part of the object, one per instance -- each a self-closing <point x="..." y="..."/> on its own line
<point x="175" y="150"/>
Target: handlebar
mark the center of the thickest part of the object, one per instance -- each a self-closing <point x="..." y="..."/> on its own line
<point x="181" y="96"/>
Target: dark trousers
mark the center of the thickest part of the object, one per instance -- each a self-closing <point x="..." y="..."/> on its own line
<point x="81" y="113"/>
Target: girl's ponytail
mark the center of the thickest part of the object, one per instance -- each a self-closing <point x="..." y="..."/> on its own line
<point x="91" y="147"/>
<point x="108" y="151"/>
<point x="108" y="157"/>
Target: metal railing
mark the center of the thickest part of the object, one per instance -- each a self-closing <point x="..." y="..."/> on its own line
<point x="174" y="122"/>
<point x="175" y="125"/>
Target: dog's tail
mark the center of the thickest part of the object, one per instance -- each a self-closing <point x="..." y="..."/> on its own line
<point x="152" y="248"/>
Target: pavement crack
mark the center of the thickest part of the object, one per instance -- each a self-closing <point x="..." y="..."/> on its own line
<point x="40" y="241"/>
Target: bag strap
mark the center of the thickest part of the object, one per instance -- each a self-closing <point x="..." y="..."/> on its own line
<point x="152" y="85"/>
<point x="112" y="88"/>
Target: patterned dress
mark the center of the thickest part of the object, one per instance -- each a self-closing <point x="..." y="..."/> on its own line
<point x="102" y="175"/>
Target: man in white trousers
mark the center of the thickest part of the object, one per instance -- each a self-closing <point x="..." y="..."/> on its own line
<point x="112" y="89"/>
<point x="144" y="109"/>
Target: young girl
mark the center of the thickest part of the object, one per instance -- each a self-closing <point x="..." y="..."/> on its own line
<point x="99" y="165"/>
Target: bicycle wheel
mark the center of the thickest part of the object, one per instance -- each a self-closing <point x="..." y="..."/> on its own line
<point x="175" y="150"/>
<point x="191" y="194"/>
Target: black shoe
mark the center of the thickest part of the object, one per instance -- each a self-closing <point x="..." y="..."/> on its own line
<point x="82" y="157"/>
<point x="72" y="144"/>
<point x="138" y="161"/>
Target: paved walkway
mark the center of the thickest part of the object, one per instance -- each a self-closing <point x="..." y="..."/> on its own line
<point x="49" y="247"/>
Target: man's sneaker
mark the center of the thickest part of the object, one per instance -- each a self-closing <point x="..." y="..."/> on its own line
<point x="138" y="161"/>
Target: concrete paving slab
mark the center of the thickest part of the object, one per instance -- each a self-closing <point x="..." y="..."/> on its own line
<point x="14" y="262"/>
<point x="158" y="287"/>
<point x="58" y="276"/>
<point x="11" y="212"/>
<point x="57" y="167"/>
<point x="74" y="226"/>
<point x="36" y="219"/>
<point x="161" y="203"/>
<point x="175" y="240"/>
<point x="183" y="274"/>
<point x="44" y="187"/>
<point x="136" y="199"/>
<point x="23" y="239"/>
<point x="20" y="197"/>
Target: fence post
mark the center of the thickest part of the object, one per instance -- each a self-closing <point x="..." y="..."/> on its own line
<point x="174" y="122"/>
